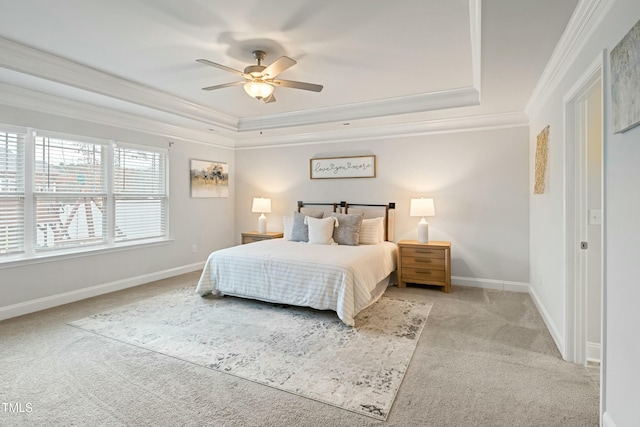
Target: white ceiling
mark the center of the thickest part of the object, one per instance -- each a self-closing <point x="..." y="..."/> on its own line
<point x="394" y="62"/>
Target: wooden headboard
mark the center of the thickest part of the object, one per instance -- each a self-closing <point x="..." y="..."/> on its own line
<point x="368" y="210"/>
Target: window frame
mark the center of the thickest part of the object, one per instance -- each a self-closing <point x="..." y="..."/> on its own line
<point x="30" y="253"/>
<point x="118" y="195"/>
<point x="74" y="193"/>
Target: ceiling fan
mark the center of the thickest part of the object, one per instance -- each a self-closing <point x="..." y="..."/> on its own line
<point x="260" y="80"/>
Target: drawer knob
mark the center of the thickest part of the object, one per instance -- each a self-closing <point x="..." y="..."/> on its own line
<point x="423" y="271"/>
<point x="426" y="261"/>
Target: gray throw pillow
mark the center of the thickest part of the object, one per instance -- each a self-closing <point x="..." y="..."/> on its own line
<point x="300" y="230"/>
<point x="348" y="230"/>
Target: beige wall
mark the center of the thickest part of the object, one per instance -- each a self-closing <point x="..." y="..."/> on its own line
<point x="479" y="180"/>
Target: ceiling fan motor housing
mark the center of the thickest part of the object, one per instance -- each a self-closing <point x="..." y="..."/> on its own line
<point x="254" y="70"/>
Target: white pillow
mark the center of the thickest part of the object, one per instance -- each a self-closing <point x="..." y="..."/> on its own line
<point x="320" y="230"/>
<point x="288" y="227"/>
<point x="372" y="231"/>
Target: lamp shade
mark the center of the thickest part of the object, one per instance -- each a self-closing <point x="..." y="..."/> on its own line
<point x="261" y="205"/>
<point x="422" y="207"/>
<point x="258" y="89"/>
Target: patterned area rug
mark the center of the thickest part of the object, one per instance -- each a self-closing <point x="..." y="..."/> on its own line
<point x="299" y="350"/>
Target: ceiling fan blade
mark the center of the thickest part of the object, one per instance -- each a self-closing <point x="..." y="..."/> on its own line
<point x="298" y="85"/>
<point x="222" y="67"/>
<point x="270" y="98"/>
<point x="278" y="66"/>
<point x="223" y="85"/>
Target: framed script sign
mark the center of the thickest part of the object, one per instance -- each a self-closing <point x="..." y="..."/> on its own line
<point x="344" y="167"/>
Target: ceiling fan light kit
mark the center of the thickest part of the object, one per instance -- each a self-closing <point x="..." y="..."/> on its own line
<point x="260" y="80"/>
<point x="258" y="89"/>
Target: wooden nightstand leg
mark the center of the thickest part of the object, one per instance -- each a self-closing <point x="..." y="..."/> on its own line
<point x="401" y="283"/>
<point x="447" y="288"/>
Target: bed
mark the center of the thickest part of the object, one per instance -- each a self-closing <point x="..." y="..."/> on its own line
<point x="345" y="278"/>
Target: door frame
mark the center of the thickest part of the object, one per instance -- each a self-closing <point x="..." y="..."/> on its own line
<point x="575" y="206"/>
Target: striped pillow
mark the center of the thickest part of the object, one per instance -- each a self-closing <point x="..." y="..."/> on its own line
<point x="287" y="226"/>
<point x="372" y="231"/>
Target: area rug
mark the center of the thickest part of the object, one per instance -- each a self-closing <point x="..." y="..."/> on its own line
<point x="299" y="350"/>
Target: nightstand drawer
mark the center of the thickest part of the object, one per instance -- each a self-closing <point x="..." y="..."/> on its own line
<point x="423" y="253"/>
<point x="423" y="262"/>
<point x="422" y="274"/>
<point x="251" y="239"/>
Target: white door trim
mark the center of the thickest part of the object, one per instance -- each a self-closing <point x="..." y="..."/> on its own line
<point x="575" y="197"/>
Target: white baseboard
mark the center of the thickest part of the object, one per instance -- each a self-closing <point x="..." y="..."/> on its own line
<point x="593" y="352"/>
<point x="607" y="421"/>
<point x="80" y="294"/>
<point x="500" y="285"/>
<point x="551" y="326"/>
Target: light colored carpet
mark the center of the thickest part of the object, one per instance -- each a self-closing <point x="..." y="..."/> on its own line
<point x="484" y="359"/>
<point x="307" y="352"/>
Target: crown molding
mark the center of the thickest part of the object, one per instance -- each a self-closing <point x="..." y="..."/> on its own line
<point x="583" y="23"/>
<point x="461" y="97"/>
<point x="41" y="64"/>
<point x="403" y="130"/>
<point x="19" y="97"/>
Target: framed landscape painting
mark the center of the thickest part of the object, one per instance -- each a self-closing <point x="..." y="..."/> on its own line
<point x="209" y="179"/>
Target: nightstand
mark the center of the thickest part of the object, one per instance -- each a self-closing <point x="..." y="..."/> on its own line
<point x="254" y="236"/>
<point x="424" y="263"/>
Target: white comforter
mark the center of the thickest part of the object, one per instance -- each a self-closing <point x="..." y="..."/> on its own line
<point x="336" y="277"/>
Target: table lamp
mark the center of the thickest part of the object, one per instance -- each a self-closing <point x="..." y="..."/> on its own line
<point x="261" y="205"/>
<point x="422" y="207"/>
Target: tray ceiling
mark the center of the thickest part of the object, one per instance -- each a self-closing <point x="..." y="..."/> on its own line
<point x="375" y="60"/>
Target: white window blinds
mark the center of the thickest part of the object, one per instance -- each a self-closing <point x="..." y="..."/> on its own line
<point x="11" y="192"/>
<point x="64" y="194"/>
<point x="140" y="193"/>
<point x="70" y="193"/>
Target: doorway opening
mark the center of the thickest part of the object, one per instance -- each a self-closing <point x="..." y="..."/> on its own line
<point x="584" y="217"/>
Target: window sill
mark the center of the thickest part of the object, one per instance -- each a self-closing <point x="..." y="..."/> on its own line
<point x="18" y="261"/>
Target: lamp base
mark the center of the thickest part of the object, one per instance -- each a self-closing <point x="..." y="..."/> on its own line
<point x="262" y="224"/>
<point x="423" y="231"/>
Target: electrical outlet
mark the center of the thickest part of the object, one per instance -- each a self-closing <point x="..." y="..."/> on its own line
<point x="194" y="249"/>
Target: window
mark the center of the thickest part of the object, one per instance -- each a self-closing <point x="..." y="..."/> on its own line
<point x="70" y="193"/>
<point x="11" y="192"/>
<point x="140" y="194"/>
<point x="61" y="193"/>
